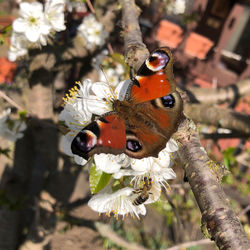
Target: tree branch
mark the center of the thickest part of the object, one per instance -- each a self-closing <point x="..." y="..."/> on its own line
<point x="135" y="50"/>
<point x="230" y="93"/>
<point x="216" y="136"/>
<point x="219" y="117"/>
<point x="204" y="179"/>
<point x="202" y="173"/>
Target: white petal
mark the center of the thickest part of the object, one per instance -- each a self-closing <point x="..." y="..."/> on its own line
<point x="171" y="146"/>
<point x="142" y="165"/>
<point x="32" y="34"/>
<point x="98" y="107"/>
<point x="169" y="174"/>
<point x="43" y="40"/>
<point x="79" y="160"/>
<point x="65" y="143"/>
<point x="102" y="90"/>
<point x="107" y="163"/>
<point x="19" y="25"/>
<point x="124" y="172"/>
<point x="121" y="89"/>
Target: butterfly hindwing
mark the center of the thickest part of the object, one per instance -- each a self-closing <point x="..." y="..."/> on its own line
<point x="158" y="120"/>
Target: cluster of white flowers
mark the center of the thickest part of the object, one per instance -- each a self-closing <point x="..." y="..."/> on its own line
<point x="35" y="24"/>
<point x="90" y="99"/>
<point x="112" y="74"/>
<point x="10" y="129"/>
<point x="92" y="32"/>
<point x="77" y="5"/>
<point x="177" y="7"/>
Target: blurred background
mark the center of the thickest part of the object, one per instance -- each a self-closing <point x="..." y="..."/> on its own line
<point x="44" y="194"/>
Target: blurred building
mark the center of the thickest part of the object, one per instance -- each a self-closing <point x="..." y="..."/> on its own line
<point x="214" y="47"/>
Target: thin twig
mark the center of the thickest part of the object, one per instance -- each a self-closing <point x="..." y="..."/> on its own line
<point x="179" y="222"/>
<point x="2" y="29"/>
<point x="244" y="211"/>
<point x="90" y="6"/>
<point x="191" y="244"/>
<point x="10" y="101"/>
<point x="107" y="232"/>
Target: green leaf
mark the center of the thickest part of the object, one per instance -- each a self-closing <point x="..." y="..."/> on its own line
<point x="97" y="179"/>
<point x="229" y="159"/>
<point x="22" y="114"/>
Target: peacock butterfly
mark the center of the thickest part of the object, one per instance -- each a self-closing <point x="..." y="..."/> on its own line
<point x="142" y="123"/>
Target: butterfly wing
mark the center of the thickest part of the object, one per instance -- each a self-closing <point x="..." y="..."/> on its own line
<point x="148" y="131"/>
<point x="154" y="78"/>
<point x="142" y="123"/>
<point x="105" y="135"/>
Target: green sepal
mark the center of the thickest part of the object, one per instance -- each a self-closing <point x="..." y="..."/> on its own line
<point x="97" y="179"/>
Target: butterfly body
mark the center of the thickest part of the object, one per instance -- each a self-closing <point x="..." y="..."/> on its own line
<point x="140" y="125"/>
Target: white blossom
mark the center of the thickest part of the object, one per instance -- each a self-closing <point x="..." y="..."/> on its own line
<point x="118" y="203"/>
<point x="83" y="102"/>
<point x="32" y="23"/>
<point x="54" y="13"/>
<point x="10" y="129"/>
<point x="92" y="32"/>
<point x="78" y="5"/>
<point x="158" y="169"/>
<point x="113" y="74"/>
<point x="18" y="46"/>
<point x="177" y="7"/>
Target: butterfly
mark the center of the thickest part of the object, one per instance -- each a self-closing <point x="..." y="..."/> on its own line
<point x="142" y="123"/>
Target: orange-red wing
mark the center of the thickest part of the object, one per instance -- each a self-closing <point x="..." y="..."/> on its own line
<point x="155" y="77"/>
<point x="106" y="135"/>
<point x="112" y="132"/>
<point x="151" y="87"/>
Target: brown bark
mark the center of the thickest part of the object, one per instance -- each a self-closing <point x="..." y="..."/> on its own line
<point x="203" y="174"/>
<point x="217" y="215"/>
<point x="219" y="117"/>
<point x="135" y="50"/>
<point x="229" y="93"/>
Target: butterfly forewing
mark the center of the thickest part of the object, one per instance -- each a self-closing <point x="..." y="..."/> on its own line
<point x="155" y="77"/>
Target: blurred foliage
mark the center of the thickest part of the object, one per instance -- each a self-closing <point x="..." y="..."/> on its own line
<point x="228" y="156"/>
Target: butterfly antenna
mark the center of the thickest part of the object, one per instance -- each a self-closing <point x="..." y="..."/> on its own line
<point x="102" y="69"/>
